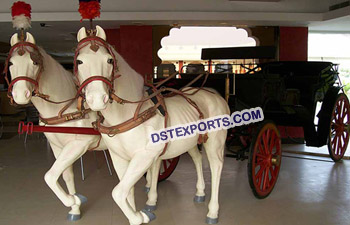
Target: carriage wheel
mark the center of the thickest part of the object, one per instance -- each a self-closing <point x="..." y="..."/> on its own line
<point x="339" y="132"/>
<point x="264" y="159"/>
<point x="167" y="167"/>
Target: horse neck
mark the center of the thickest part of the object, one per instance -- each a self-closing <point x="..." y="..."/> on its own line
<point x="128" y="86"/>
<point x="56" y="82"/>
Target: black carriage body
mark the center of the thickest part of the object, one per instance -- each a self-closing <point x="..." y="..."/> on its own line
<point x="286" y="91"/>
<point x="303" y="84"/>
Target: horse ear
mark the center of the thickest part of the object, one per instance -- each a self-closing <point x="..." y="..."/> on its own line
<point x="100" y="32"/>
<point x="30" y="38"/>
<point x="14" y="39"/>
<point x="81" y="34"/>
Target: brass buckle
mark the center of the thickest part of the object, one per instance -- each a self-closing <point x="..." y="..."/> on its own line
<point x="69" y="117"/>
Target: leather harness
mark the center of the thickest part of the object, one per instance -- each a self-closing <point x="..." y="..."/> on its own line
<point x="155" y="94"/>
<point x="37" y="58"/>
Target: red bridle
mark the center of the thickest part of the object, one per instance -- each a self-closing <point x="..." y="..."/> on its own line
<point x="35" y="55"/>
<point x="95" y="42"/>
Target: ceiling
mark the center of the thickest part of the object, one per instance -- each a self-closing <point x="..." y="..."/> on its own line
<point x="62" y="19"/>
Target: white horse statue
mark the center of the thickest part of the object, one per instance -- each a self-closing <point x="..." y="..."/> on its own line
<point x="58" y="84"/>
<point x="132" y="151"/>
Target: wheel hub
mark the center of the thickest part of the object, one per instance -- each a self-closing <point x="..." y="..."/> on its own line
<point x="275" y="160"/>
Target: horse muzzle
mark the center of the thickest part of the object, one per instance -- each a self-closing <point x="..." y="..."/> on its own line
<point x="97" y="101"/>
<point x="21" y="97"/>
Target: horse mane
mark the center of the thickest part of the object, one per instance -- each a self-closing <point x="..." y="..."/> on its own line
<point x="61" y="77"/>
<point x="129" y="77"/>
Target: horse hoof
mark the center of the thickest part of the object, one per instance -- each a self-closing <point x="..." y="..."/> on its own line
<point x="151" y="216"/>
<point x="150" y="208"/>
<point x="73" y="217"/>
<point x="199" y="199"/>
<point x="212" y="220"/>
<point x="82" y="198"/>
<point x="146" y="189"/>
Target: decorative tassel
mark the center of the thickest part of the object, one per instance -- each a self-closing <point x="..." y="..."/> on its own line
<point x="89" y="9"/>
<point x="21" y="18"/>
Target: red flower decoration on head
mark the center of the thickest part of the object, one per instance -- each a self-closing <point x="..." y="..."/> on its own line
<point x="89" y="9"/>
<point x="19" y="8"/>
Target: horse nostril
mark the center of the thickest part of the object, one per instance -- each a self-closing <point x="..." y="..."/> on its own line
<point x="27" y="93"/>
<point x="105" y="98"/>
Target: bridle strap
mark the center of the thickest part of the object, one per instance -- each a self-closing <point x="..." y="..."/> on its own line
<point x="95" y="78"/>
<point x="95" y="41"/>
<point x="38" y="59"/>
<point x="28" y="79"/>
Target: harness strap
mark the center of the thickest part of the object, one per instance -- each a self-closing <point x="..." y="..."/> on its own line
<point x="65" y="117"/>
<point x="97" y="145"/>
<point x="138" y="117"/>
<point x="127" y="125"/>
<point x="95" y="78"/>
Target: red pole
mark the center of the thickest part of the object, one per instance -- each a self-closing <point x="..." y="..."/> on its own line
<point x="29" y="128"/>
<point x="181" y="64"/>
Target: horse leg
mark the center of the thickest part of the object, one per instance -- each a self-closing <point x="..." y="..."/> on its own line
<point x="68" y="175"/>
<point x="148" y="181"/>
<point x="69" y="154"/>
<point x="197" y="159"/>
<point x="120" y="166"/>
<point x="151" y="203"/>
<point x="138" y="165"/>
<point x="215" y="152"/>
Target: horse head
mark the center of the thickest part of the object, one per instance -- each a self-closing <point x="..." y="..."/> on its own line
<point x="95" y="66"/>
<point x="25" y="64"/>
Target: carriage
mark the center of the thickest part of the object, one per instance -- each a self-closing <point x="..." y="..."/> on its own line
<point x="288" y="93"/>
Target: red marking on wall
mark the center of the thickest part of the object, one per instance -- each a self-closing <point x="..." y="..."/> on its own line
<point x="134" y="43"/>
<point x="293" y="44"/>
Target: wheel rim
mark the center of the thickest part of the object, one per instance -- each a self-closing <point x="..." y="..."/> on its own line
<point x="167" y="167"/>
<point x="339" y="133"/>
<point x="266" y="160"/>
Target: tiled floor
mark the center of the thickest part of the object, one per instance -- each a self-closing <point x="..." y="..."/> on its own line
<point x="307" y="192"/>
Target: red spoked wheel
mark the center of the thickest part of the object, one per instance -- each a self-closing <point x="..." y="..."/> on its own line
<point x="339" y="128"/>
<point x="167" y="167"/>
<point x="264" y="159"/>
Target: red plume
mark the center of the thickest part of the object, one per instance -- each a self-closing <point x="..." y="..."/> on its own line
<point x="19" y="8"/>
<point x="21" y="15"/>
<point x="89" y="9"/>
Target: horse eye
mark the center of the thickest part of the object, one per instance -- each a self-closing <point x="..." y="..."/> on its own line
<point x="79" y="62"/>
<point x="110" y="61"/>
<point x="35" y="63"/>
